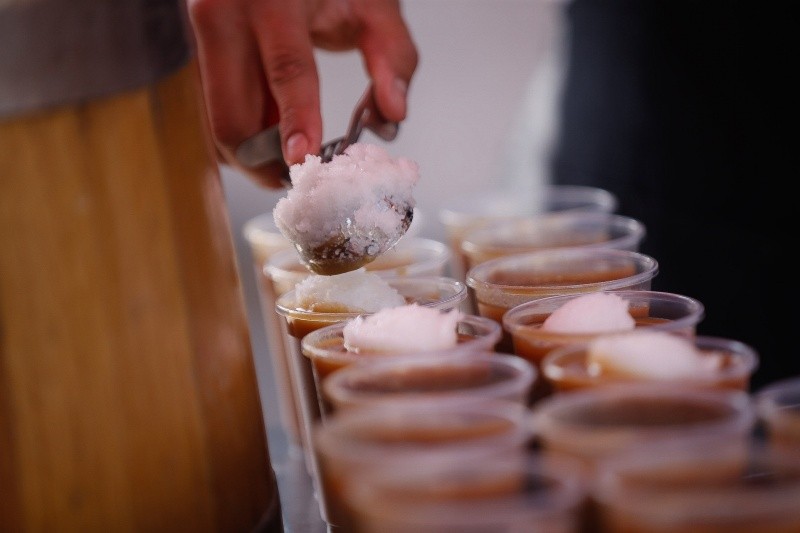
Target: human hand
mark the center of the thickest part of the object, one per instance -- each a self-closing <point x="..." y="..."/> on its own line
<point x="257" y="67"/>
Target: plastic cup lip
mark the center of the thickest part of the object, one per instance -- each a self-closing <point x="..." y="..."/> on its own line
<point x="432" y="257"/>
<point x="337" y="390"/>
<point x="477" y="275"/>
<point x="619" y="481"/>
<point x="550" y="418"/>
<point x="693" y="311"/>
<point x="466" y="208"/>
<point x="489" y="331"/>
<point x="562" y="497"/>
<point x="779" y="399"/>
<point x="747" y="357"/>
<point x="349" y="436"/>
<point x="495" y="236"/>
<point x="456" y="292"/>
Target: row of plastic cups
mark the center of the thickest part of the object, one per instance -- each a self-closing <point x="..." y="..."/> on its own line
<point x="441" y="466"/>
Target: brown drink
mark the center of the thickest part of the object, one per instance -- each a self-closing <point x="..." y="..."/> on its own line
<point x="403" y="436"/>
<point x="501" y="284"/>
<point x="779" y="409"/>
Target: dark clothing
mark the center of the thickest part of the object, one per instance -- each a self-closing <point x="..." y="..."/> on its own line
<point x="672" y="106"/>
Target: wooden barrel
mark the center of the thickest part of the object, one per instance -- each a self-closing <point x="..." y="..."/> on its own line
<point x="128" y="396"/>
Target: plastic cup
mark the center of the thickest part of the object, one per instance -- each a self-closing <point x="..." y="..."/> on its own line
<point x="661" y="311"/>
<point x="699" y="485"/>
<point x="554" y="230"/>
<point x="501" y="284"/>
<point x="652" y="310"/>
<point x="778" y="407"/>
<point x="470" y="211"/>
<point x="265" y="241"/>
<point x="325" y="347"/>
<point x="516" y="492"/>
<point x="566" y="368"/>
<point x="431" y="378"/>
<point x="593" y="425"/>
<point x="404" y="435"/>
<point x="430" y="291"/>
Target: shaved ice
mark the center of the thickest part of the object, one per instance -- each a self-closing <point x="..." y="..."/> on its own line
<point x="591" y="313"/>
<point x="357" y="291"/>
<point x="403" y="329"/>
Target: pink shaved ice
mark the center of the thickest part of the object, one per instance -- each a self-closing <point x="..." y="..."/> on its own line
<point x="591" y="313"/>
<point x="403" y="329"/>
<point x="650" y="355"/>
<point x="356" y="187"/>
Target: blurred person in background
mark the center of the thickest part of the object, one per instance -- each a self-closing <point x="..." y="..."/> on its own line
<point x="672" y="107"/>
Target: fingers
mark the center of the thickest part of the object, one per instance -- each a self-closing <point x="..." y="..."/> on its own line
<point x="234" y="86"/>
<point x="389" y="52"/>
<point x="282" y="35"/>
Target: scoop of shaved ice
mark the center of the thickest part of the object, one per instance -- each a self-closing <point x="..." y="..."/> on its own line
<point x="404" y="329"/>
<point x="357" y="291"/>
<point x="358" y="187"/>
<point x="598" y="312"/>
<point x="649" y="355"/>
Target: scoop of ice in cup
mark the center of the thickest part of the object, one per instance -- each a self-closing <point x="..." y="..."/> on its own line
<point x="343" y="214"/>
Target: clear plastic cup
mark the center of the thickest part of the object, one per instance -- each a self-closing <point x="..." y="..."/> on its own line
<point x="431" y="378"/>
<point x="699" y="485"/>
<point x="430" y="291"/>
<point x="265" y="241"/>
<point x="516" y="492"/>
<point x="566" y="368"/>
<point x="596" y="424"/>
<point x="778" y="407"/>
<point x="466" y="212"/>
<point x="506" y="282"/>
<point x="662" y="311"/>
<point x="325" y="347"/>
<point x="403" y="435"/>
<point x="652" y="310"/>
<point x="554" y="230"/>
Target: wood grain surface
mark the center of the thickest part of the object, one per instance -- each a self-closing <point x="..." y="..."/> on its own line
<point x="128" y="398"/>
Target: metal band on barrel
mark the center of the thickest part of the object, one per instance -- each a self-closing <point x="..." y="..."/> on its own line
<point x="57" y="52"/>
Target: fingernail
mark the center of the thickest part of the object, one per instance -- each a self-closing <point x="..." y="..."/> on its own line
<point x="399" y="90"/>
<point x="296" y="148"/>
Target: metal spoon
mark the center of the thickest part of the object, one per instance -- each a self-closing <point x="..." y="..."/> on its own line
<point x="354" y="246"/>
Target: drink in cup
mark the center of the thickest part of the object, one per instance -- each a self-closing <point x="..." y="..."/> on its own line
<point x="656" y="357"/>
<point x="467" y="212"/>
<point x="540" y="326"/>
<point x="596" y="424"/>
<point x="329" y="349"/>
<point x="265" y="240"/>
<point x="403" y="435"/>
<point x="516" y="492"/>
<point x="779" y="409"/>
<point x="426" y="378"/>
<point x="702" y="485"/>
<point x="340" y="298"/>
<point x="283" y="270"/>
<point x="547" y="231"/>
<point x="501" y="284"/>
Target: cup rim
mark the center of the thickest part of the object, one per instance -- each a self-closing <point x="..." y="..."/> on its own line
<point x="525" y="375"/>
<point x="476" y="275"/>
<point x="768" y="399"/>
<point x="546" y="423"/>
<point x="554" y="372"/>
<point x="494" y="333"/>
<point x="283" y="307"/>
<point x="454" y="215"/>
<point x="693" y="317"/>
<point x="565" y="495"/>
<point x="478" y="239"/>
<point x="697" y="450"/>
